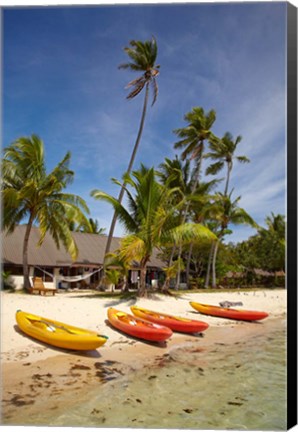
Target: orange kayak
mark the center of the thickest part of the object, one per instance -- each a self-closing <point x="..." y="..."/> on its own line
<point x="175" y="323"/>
<point x="138" y="327"/>
<point x="236" y="314"/>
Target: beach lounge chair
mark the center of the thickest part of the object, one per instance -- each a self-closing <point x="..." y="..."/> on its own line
<point x="38" y="286"/>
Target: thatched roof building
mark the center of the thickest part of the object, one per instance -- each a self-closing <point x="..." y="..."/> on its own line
<point x="47" y="257"/>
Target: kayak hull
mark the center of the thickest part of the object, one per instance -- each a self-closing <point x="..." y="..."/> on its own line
<point x="138" y="327"/>
<point x="58" y="334"/>
<point x="179" y="324"/>
<point x="236" y="314"/>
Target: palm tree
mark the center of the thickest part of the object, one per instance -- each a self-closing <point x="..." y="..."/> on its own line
<point x="193" y="138"/>
<point x="143" y="57"/>
<point x="276" y="224"/>
<point x="199" y="202"/>
<point x="176" y="173"/>
<point x="149" y="220"/>
<point x="28" y="191"/>
<point x="223" y="151"/>
<point x="226" y="212"/>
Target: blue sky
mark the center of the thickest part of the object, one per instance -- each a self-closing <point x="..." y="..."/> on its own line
<point x="61" y="81"/>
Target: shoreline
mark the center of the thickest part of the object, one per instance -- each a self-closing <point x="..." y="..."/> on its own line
<point x="34" y="374"/>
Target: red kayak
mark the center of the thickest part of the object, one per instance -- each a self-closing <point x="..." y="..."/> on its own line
<point x="236" y="314"/>
<point x="175" y="323"/>
<point x="138" y="327"/>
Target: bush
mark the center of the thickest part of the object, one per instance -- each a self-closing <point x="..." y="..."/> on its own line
<point x="7" y="282"/>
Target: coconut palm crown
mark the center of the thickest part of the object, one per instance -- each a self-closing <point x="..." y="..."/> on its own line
<point x="143" y="56"/>
<point x="193" y="137"/>
<point x="223" y="151"/>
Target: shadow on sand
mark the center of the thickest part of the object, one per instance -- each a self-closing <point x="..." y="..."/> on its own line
<point x="91" y="353"/>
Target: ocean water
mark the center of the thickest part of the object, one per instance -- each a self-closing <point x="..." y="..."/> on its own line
<point x="239" y="386"/>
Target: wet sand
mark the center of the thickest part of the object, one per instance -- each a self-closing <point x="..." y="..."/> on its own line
<point x="57" y="383"/>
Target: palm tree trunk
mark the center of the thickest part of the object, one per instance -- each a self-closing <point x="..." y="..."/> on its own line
<point x="195" y="185"/>
<point x="214" y="264"/>
<point x="114" y="220"/>
<point x="207" y="280"/>
<point x="178" y="278"/>
<point x="166" y="284"/>
<point x="172" y="255"/>
<point x="188" y="263"/>
<point x="142" y="292"/>
<point x="25" y="253"/>
<point x="230" y="165"/>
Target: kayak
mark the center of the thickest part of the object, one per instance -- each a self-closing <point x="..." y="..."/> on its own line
<point x="175" y="323"/>
<point x="58" y="334"/>
<point x="138" y="327"/>
<point x="236" y="314"/>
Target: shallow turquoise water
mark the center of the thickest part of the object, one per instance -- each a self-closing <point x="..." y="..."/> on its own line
<point x="240" y="386"/>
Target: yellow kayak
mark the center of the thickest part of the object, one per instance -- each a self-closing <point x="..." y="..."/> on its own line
<point x="57" y="333"/>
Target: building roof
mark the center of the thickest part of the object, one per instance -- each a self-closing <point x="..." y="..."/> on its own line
<point x="91" y="250"/>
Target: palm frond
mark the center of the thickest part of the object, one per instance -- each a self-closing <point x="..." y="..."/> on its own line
<point x="155" y="90"/>
<point x="138" y="88"/>
<point x="243" y="159"/>
<point x="122" y="214"/>
<point x="134" y="82"/>
<point x="189" y="233"/>
<point x="132" y="248"/>
<point x="213" y="169"/>
<point x="131" y="66"/>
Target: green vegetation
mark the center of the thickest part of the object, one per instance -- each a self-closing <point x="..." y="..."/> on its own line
<point x="265" y="250"/>
<point x="174" y="209"/>
<point x="28" y="191"/>
<point x="150" y="220"/>
<point x="92" y="227"/>
<point x="6" y="281"/>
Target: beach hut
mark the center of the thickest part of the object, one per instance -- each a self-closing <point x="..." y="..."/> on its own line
<point x="56" y="267"/>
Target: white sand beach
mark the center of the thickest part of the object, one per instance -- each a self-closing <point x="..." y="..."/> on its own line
<point x="33" y="372"/>
<point x="88" y="310"/>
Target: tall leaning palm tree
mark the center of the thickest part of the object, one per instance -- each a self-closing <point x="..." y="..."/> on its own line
<point x="149" y="220"/>
<point x="143" y="57"/>
<point x="28" y="191"/>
